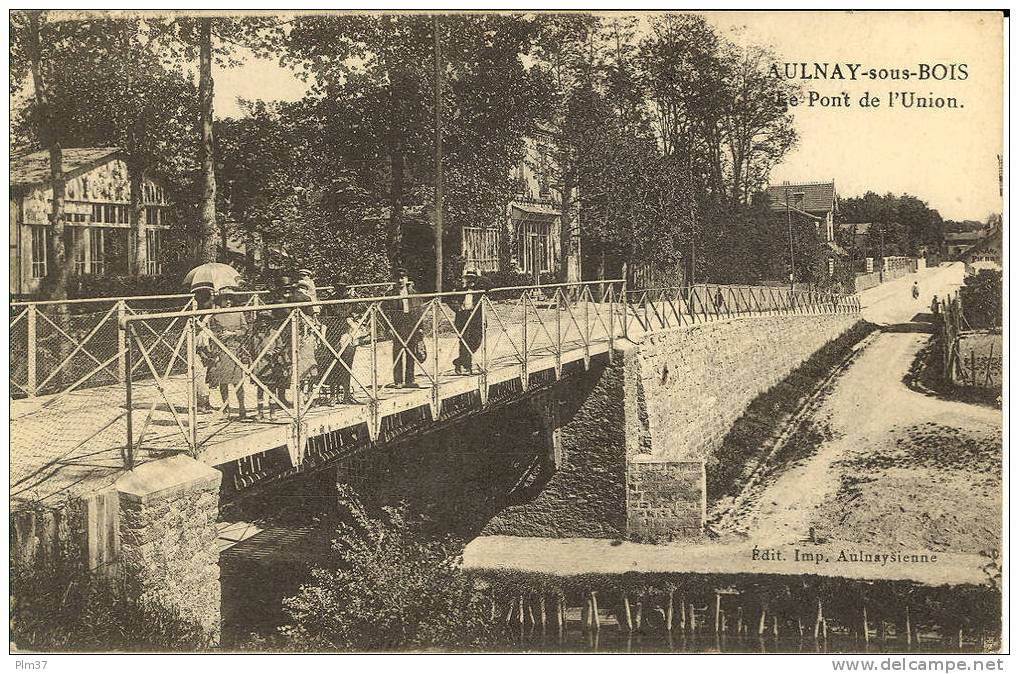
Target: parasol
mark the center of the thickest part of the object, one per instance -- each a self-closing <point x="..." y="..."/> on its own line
<point x="215" y="275"/>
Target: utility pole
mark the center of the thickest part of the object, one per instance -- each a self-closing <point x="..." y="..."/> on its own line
<point x="693" y="224"/>
<point x="881" y="229"/>
<point x="792" y="258"/>
<point x="437" y="67"/>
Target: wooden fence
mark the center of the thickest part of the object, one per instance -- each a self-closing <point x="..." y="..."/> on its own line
<point x="969" y="358"/>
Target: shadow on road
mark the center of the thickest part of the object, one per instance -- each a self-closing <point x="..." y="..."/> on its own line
<point x="919" y="323"/>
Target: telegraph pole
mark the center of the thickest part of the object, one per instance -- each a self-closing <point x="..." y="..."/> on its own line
<point x="437" y="72"/>
<point x="882" y="274"/>
<point x="792" y="258"/>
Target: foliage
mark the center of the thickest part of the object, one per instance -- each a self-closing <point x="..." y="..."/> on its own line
<point x="981" y="299"/>
<point x="659" y="138"/>
<point x="901" y="225"/>
<point x="67" y="609"/>
<point x="390" y="590"/>
<point x="372" y="103"/>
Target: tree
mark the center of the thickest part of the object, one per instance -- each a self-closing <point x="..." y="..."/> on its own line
<point x="211" y="40"/>
<point x="390" y="589"/>
<point x="373" y="92"/>
<point x="35" y="46"/>
<point x="109" y="88"/>
<point x="901" y="225"/>
<point x="279" y="185"/>
<point x="209" y="241"/>
<point x="981" y="299"/>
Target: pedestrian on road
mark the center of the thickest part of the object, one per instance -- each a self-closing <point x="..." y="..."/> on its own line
<point x="935" y="306"/>
<point x="408" y="343"/>
<point x="468" y="321"/>
<point x="916" y="290"/>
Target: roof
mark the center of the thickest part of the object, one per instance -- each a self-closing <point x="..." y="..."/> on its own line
<point x="816" y="197"/>
<point x="988" y="243"/>
<point x="34" y="168"/>
<point x="966" y="236"/>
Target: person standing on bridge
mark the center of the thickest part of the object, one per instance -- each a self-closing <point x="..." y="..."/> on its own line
<point x="223" y="371"/>
<point x="203" y="300"/>
<point x="408" y="345"/>
<point x="468" y="321"/>
<point x="342" y="334"/>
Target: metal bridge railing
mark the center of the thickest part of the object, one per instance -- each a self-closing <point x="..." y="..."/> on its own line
<point x="58" y="347"/>
<point x="287" y="361"/>
<point x="663" y="308"/>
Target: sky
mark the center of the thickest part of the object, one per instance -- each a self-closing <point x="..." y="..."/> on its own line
<point x="947" y="157"/>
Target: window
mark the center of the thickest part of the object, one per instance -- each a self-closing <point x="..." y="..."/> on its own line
<point x="153" y="252"/>
<point x="152" y="215"/>
<point x="534" y="246"/>
<point x="76" y="249"/>
<point x="97" y="213"/>
<point x="97" y="251"/>
<point x="40" y="247"/>
<point x="481" y="248"/>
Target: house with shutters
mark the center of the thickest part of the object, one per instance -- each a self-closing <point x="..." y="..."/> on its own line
<point x="528" y="240"/>
<point x="99" y="237"/>
<point x="816" y="203"/>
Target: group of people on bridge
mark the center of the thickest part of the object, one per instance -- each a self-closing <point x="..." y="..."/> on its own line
<point x="255" y="343"/>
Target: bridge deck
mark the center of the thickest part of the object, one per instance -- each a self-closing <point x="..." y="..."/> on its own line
<point x="75" y="443"/>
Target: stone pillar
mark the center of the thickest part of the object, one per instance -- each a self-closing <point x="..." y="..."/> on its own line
<point x="665" y="499"/>
<point x="168" y="513"/>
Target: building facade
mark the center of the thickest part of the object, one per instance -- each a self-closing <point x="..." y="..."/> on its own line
<point x="529" y="239"/>
<point x="957" y="243"/>
<point x="816" y="203"/>
<point x="100" y="239"/>
<point x="985" y="253"/>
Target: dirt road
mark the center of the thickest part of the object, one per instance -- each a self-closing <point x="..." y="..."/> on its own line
<point x="900" y="469"/>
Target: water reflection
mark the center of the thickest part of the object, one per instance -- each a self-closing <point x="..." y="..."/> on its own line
<point x="574" y="639"/>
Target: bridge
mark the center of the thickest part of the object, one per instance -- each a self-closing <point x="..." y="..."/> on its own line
<point x="138" y="401"/>
<point x="634" y="389"/>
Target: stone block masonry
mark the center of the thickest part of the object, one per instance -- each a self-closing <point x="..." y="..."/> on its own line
<point x="691" y="385"/>
<point x="697" y="381"/>
<point x="664" y="498"/>
<point x="168" y="512"/>
<point x="638" y="436"/>
<point x="585" y="496"/>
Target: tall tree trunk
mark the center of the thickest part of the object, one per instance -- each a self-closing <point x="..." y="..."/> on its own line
<point x="135" y="167"/>
<point x="565" y="215"/>
<point x="209" y="233"/>
<point x="565" y="234"/>
<point x="136" y="177"/>
<point x="58" y="271"/>
<point x="439" y="194"/>
<point x="395" y="235"/>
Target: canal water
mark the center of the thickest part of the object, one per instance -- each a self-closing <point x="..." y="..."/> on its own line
<point x="611" y="639"/>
